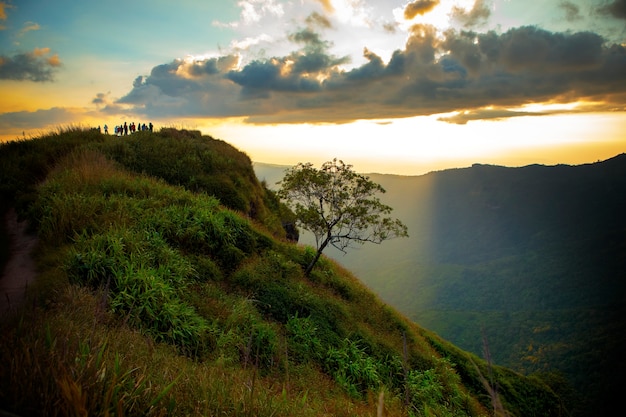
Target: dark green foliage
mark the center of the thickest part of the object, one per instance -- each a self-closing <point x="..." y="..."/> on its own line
<point x="276" y="285"/>
<point x="528" y="395"/>
<point x="199" y="163"/>
<point x="206" y="268"/>
<point x="352" y="367"/>
<point x="304" y="342"/>
<point x="26" y="163"/>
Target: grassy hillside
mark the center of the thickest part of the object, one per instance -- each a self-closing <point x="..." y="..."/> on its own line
<point x="534" y="257"/>
<point x="157" y="297"/>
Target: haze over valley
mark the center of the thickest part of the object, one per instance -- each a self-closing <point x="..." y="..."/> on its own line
<point x="530" y="259"/>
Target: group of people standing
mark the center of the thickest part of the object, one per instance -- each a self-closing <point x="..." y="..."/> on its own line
<point x="123" y="130"/>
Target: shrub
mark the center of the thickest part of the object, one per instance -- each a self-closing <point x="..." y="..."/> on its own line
<point x="304" y="342"/>
<point x="352" y="368"/>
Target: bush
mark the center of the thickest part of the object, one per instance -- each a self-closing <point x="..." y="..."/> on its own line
<point x="353" y="368"/>
<point x="304" y="343"/>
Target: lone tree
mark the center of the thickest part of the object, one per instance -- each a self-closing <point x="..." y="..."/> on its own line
<point x="338" y="206"/>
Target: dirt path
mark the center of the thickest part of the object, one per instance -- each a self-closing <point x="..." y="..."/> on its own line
<point x="19" y="271"/>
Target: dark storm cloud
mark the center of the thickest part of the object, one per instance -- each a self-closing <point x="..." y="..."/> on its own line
<point x="615" y="8"/>
<point x="36" y="66"/>
<point x="260" y="77"/>
<point x="462" y="71"/>
<point x="419" y="7"/>
<point x="533" y="49"/>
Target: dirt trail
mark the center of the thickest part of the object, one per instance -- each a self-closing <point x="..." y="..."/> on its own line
<point x="20" y="271"/>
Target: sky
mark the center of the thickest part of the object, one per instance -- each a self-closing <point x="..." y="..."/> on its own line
<point x="389" y="86"/>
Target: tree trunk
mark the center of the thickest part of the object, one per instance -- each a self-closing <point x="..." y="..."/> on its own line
<point x="309" y="268"/>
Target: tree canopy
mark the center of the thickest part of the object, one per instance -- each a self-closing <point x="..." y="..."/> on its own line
<point x="339" y="206"/>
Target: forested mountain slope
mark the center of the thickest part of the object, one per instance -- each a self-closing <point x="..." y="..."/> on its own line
<point x="531" y="259"/>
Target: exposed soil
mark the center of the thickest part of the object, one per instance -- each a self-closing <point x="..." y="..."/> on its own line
<point x="19" y="272"/>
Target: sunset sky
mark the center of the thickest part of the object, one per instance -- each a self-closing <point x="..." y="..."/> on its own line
<point x="390" y="86"/>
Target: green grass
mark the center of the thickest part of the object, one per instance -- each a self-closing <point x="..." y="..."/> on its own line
<point x="157" y="298"/>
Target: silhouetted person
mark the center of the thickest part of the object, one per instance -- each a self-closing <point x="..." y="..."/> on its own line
<point x="106" y="129"/>
<point x="125" y="129"/>
<point x="151" y="126"/>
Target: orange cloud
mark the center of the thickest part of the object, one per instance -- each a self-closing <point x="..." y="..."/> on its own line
<point x="54" y="61"/>
<point x="327" y="5"/>
<point x="41" y="51"/>
<point x="419" y="7"/>
<point x="29" y="66"/>
<point x="3" y="10"/>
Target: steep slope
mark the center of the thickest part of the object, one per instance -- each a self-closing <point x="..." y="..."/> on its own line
<point x="532" y="258"/>
<point x="155" y="299"/>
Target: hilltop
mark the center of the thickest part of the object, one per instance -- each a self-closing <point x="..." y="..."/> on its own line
<point x="533" y="258"/>
<point x="169" y="283"/>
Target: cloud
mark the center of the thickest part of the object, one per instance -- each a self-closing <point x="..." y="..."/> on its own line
<point x="317" y="20"/>
<point x="3" y="13"/>
<point x="106" y="105"/>
<point x="37" y="119"/>
<point x="28" y="27"/>
<point x="327" y="5"/>
<point x="391" y="27"/>
<point x="252" y="11"/>
<point x="616" y="8"/>
<point x="498" y="113"/>
<point x="462" y="117"/>
<point x="419" y="7"/>
<point x="432" y="74"/>
<point x="477" y="16"/>
<point x="572" y="11"/>
<point x="36" y="66"/>
<point x="100" y="99"/>
<point x="3" y="10"/>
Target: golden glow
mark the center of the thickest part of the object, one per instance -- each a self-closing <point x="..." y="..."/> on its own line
<point x="548" y="107"/>
<point x="418" y="145"/>
<point x="412" y="146"/>
<point x="285" y="69"/>
<point x="19" y="96"/>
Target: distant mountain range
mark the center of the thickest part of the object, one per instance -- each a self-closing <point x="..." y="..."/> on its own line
<point x="530" y="261"/>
